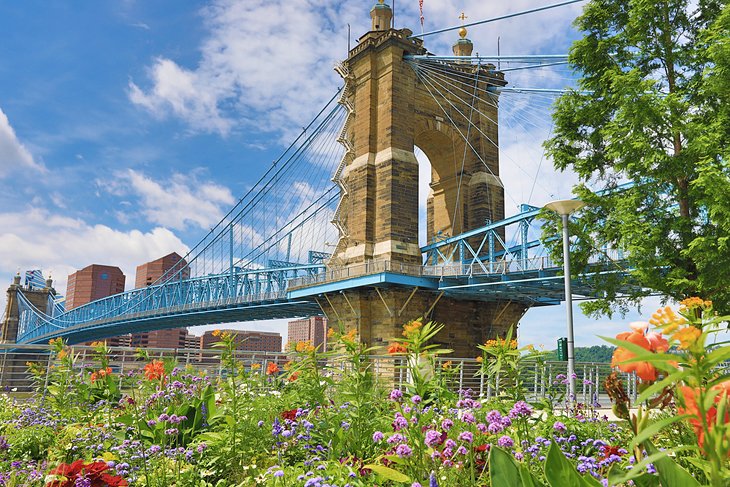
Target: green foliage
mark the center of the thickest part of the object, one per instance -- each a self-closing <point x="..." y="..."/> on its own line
<point x="595" y="353"/>
<point x="651" y="110"/>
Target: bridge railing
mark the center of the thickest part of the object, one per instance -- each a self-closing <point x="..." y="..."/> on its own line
<point x="478" y="268"/>
<point x="25" y="368"/>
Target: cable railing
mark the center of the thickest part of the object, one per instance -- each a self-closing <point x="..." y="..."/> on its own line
<point x="539" y="380"/>
<point x="478" y="268"/>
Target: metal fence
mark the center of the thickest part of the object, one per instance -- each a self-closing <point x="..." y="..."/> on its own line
<point x="540" y="380"/>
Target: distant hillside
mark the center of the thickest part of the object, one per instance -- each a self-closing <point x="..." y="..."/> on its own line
<point x="596" y="353"/>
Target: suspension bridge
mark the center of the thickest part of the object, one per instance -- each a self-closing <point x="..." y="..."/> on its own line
<point x="333" y="225"/>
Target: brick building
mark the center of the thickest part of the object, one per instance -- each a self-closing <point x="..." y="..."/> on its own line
<point x="93" y="282"/>
<point x="251" y="341"/>
<point x="146" y="275"/>
<point x="312" y="329"/>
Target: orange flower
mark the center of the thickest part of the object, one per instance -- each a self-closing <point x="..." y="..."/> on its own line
<point x="94" y="377"/>
<point x="255" y="366"/>
<point x="644" y="370"/>
<point x="410" y="328"/>
<point x="690" y="395"/>
<point x="350" y="335"/>
<point x="304" y="346"/>
<point x="397" y="348"/>
<point x="330" y="332"/>
<point x="687" y="337"/>
<point x="480" y="359"/>
<point x="154" y="370"/>
<point x="216" y="333"/>
<point x="657" y="342"/>
<point x="293" y="377"/>
<point x="272" y="368"/>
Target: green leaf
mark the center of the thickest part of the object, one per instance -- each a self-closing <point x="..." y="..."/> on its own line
<point x="388" y="473"/>
<point x="503" y="470"/>
<point x="669" y="472"/>
<point x="560" y="472"/>
<point x="674" y="377"/>
<point x="654" y="428"/>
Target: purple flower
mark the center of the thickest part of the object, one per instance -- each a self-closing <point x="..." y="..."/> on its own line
<point x="432" y="481"/>
<point x="461" y="450"/>
<point x="466" y="436"/>
<point x="400" y="422"/>
<point x="396" y="438"/>
<point x="378" y="436"/>
<point x="521" y="408"/>
<point x="403" y="450"/>
<point x="505" y="442"/>
<point x="202" y="447"/>
<point x="468" y="418"/>
<point x="558" y="426"/>
<point x="396" y="394"/>
<point x="151" y="423"/>
<point x="433" y="438"/>
<point x="416" y="484"/>
<point x="450" y="443"/>
<point x="447" y="424"/>
<point x="279" y="473"/>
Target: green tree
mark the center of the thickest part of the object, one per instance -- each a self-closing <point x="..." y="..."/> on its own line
<point x="651" y="109"/>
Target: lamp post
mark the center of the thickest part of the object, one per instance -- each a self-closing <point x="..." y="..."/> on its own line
<point x="564" y="208"/>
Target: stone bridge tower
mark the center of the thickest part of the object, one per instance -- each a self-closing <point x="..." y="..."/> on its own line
<point x="391" y="112"/>
<point x="40" y="298"/>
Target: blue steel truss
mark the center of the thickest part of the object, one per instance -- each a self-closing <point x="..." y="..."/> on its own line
<point x="239" y="296"/>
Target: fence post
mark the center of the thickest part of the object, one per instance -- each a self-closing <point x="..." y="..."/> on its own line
<point x="461" y="376"/>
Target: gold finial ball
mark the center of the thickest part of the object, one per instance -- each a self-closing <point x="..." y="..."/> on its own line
<point x="381" y="1"/>
<point x="462" y="32"/>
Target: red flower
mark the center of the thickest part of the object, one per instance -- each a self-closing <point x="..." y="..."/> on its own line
<point x="290" y="415"/>
<point x="609" y="450"/>
<point x="272" y="368"/>
<point x="94" y="472"/>
<point x="154" y="370"/>
<point x="397" y="348"/>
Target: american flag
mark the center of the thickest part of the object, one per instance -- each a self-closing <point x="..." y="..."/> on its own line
<point x="420" y="7"/>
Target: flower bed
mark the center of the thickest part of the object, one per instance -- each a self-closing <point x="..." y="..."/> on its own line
<point x="304" y="424"/>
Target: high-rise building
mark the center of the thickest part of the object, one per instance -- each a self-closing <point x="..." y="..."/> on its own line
<point x="252" y="341"/>
<point x="148" y="274"/>
<point x="172" y="338"/>
<point x="312" y="329"/>
<point x="93" y="282"/>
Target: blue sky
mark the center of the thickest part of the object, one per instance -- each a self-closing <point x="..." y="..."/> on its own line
<point x="127" y="129"/>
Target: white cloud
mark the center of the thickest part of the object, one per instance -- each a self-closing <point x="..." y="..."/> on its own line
<point x="60" y="245"/>
<point x="269" y="62"/>
<point x="183" y="92"/>
<point x="14" y="156"/>
<point x="179" y="202"/>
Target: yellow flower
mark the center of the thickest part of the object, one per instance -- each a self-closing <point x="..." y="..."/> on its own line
<point x="446" y="365"/>
<point x="216" y="333"/>
<point x="255" y="366"/>
<point x="667" y="320"/>
<point x="350" y="336"/>
<point x="687" y="337"/>
<point x="330" y="332"/>
<point x="62" y="354"/>
<point x="480" y="359"/>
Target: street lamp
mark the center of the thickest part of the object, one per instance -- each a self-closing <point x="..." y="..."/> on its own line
<point x="564" y="208"/>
